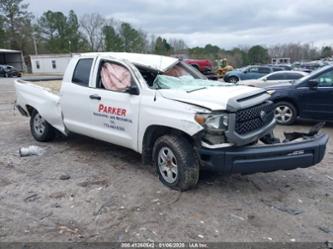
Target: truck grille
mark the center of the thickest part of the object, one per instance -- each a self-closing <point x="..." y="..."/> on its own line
<point x="254" y="118"/>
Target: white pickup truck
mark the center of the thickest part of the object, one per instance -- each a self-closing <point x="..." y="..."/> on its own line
<point x="170" y="113"/>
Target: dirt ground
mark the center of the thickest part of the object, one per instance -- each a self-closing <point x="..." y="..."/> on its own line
<point x="110" y="196"/>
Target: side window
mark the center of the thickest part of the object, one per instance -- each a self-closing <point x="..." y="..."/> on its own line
<point x="275" y="69"/>
<point x="294" y="76"/>
<point x="277" y="76"/>
<point x="113" y="76"/>
<point x="81" y="73"/>
<point x="264" y="70"/>
<point x="253" y="70"/>
<point x="326" y="79"/>
<point x="54" y="64"/>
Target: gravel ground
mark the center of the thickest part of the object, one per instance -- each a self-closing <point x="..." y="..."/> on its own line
<point x="110" y="196"/>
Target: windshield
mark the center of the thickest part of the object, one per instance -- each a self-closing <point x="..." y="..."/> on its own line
<point x="185" y="82"/>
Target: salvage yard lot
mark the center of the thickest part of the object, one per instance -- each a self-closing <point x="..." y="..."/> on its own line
<point x="110" y="196"/>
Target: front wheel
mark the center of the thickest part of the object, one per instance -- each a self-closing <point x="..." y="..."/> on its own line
<point x="41" y="130"/>
<point x="176" y="162"/>
<point x="285" y="113"/>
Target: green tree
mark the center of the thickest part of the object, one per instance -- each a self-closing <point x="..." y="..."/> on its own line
<point x="326" y="52"/>
<point x="134" y="40"/>
<point x="162" y="46"/>
<point x="112" y="40"/>
<point x="258" y="55"/>
<point x="3" y="38"/>
<point x="210" y="49"/>
<point x="17" y="24"/>
<point x="60" y="33"/>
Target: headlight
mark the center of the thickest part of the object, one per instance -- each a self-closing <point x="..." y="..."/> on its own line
<point x="270" y="92"/>
<point x="218" y="122"/>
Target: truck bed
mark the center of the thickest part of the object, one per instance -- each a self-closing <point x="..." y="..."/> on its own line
<point x="43" y="96"/>
<point x="50" y="85"/>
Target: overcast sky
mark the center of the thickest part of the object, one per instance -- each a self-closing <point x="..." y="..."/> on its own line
<point x="226" y="23"/>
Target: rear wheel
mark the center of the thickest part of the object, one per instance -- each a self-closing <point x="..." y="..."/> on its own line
<point x="285" y="113"/>
<point x="41" y="130"/>
<point x="233" y="79"/>
<point x="176" y="163"/>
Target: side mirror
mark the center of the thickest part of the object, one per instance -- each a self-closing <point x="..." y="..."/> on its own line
<point x="313" y="84"/>
<point x="264" y="79"/>
<point x="133" y="90"/>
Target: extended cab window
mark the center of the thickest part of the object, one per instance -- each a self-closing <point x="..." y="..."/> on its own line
<point x="81" y="73"/>
<point x="113" y="76"/>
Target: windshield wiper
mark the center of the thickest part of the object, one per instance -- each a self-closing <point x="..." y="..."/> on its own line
<point x="197" y="89"/>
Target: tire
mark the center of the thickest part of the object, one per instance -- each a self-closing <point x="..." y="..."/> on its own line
<point x="233" y="79"/>
<point x="285" y="113"/>
<point x="176" y="162"/>
<point x="41" y="130"/>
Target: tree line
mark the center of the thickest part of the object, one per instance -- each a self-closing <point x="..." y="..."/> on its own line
<point x="58" y="32"/>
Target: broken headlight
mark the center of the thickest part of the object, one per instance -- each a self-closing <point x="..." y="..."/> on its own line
<point x="215" y="125"/>
<point x="213" y="122"/>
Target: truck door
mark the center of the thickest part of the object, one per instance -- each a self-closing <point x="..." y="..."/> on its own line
<point x="317" y="102"/>
<point x="115" y="109"/>
<point x="76" y="98"/>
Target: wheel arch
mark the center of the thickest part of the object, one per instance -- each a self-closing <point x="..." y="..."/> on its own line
<point x="30" y="109"/>
<point x="152" y="133"/>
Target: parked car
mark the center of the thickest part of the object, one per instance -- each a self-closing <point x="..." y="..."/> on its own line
<point x="310" y="97"/>
<point x="286" y="67"/>
<point x="274" y="78"/>
<point x="165" y="110"/>
<point x="250" y="72"/>
<point x="9" y="71"/>
<point x="203" y="66"/>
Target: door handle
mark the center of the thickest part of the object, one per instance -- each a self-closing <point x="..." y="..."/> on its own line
<point x="95" y="96"/>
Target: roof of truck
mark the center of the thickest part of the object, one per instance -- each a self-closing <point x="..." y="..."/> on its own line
<point x="157" y="62"/>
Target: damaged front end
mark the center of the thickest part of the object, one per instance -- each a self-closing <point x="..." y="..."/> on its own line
<point x="297" y="150"/>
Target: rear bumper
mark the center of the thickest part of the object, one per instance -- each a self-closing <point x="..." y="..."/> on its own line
<point x="266" y="158"/>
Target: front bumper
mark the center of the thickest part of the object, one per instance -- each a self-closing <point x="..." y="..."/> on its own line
<point x="266" y="158"/>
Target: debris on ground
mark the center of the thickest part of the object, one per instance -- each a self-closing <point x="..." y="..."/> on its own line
<point x="291" y="211"/>
<point x="97" y="182"/>
<point x="237" y="217"/>
<point x="325" y="229"/>
<point x="64" y="177"/>
<point x="32" y="150"/>
<point x="31" y="198"/>
<point x="57" y="195"/>
<point x="64" y="229"/>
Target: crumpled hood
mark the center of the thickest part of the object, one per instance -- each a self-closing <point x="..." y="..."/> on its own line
<point x="213" y="98"/>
